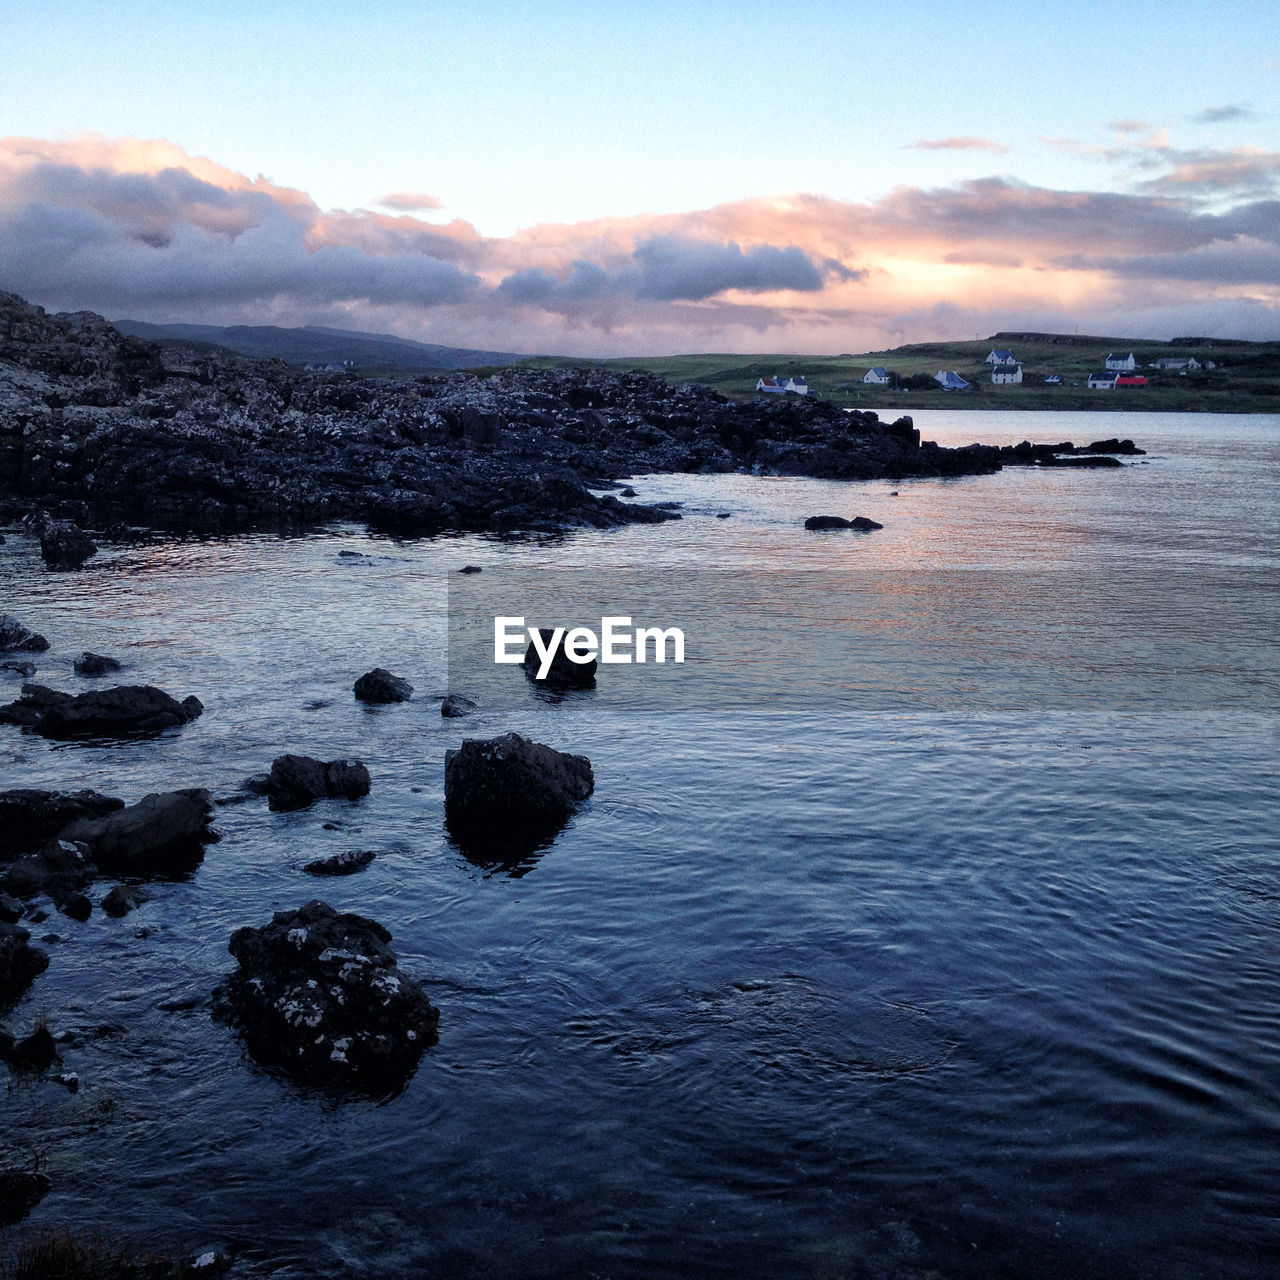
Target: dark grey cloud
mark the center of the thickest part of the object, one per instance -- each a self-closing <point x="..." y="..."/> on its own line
<point x="1221" y="115"/>
<point x="83" y="258"/>
<point x="674" y="268"/>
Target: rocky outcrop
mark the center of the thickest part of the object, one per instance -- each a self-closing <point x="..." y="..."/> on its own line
<point x="296" y="781"/>
<point x="15" y="638"/>
<point x="318" y="995"/>
<point x="120" y="711"/>
<point x="64" y="546"/>
<point x="379" y="685"/>
<point x="30" y="817"/>
<point x="453" y="706"/>
<point x="163" y="834"/>
<point x="184" y="438"/>
<point x="509" y="793"/>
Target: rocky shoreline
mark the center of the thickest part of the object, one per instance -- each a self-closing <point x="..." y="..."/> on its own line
<point x="109" y="431"/>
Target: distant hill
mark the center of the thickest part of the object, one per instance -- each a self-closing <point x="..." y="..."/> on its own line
<point x="314" y="344"/>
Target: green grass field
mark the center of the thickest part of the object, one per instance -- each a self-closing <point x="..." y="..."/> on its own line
<point x="1246" y="378"/>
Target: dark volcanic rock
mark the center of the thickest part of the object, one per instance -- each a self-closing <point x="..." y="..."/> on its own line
<point x="15" y="638"/>
<point x="454" y="706"/>
<point x="95" y="664"/>
<point x="121" y="899"/>
<point x="163" y="834"/>
<point x="863" y="522"/>
<point x="20" y="1192"/>
<point x="34" y="1053"/>
<point x="341" y="864"/>
<point x="511" y="792"/>
<point x="318" y="994"/>
<point x="61" y="869"/>
<point x="63" y="546"/>
<point x="826" y="522"/>
<point x="1112" y="446"/>
<point x="30" y="818"/>
<point x="122" y="710"/>
<point x="563" y="673"/>
<point x="24" y="669"/>
<point x="296" y="781"/>
<point x="20" y="964"/>
<point x="379" y="685"/>
<point x="212" y="442"/>
<point x="1082" y="460"/>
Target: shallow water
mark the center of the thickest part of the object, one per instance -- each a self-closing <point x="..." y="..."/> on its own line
<point x="801" y="991"/>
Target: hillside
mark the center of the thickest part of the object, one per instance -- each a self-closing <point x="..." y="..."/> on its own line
<point x="1245" y="377"/>
<point x="368" y="353"/>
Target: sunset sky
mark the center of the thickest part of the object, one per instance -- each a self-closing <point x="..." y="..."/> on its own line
<point x="631" y="178"/>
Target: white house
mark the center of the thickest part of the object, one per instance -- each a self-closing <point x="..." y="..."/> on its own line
<point x="1173" y="362"/>
<point x="1053" y="380"/>
<point x="773" y="385"/>
<point x="1001" y="357"/>
<point x="1103" y="381"/>
<point x="1122" y="363"/>
<point x="797" y="385"/>
<point x="1003" y="373"/>
<point x="878" y="376"/>
<point x="949" y="380"/>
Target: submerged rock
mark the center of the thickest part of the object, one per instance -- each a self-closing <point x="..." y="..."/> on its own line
<point x="379" y="685"/>
<point x="64" y="546"/>
<point x="296" y="781"/>
<point x="95" y="664"/>
<point x="30" y="817"/>
<point x="122" y="710"/>
<point x="163" y="834"/>
<point x="318" y="994"/>
<point x="839" y="522"/>
<point x="509" y="792"/>
<point x="15" y="638"/>
<point x="454" y="706"/>
<point x="24" y="669"/>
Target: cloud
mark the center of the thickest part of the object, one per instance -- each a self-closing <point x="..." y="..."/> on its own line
<point x="1130" y="126"/>
<point x="959" y="144"/>
<point x="1240" y="171"/>
<point x="409" y="201"/>
<point x="1221" y="115"/>
<point x="140" y="228"/>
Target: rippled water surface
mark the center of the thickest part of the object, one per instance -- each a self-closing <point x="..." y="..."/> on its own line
<point x="799" y="992"/>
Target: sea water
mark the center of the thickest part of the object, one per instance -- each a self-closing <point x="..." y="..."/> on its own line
<point x="810" y="987"/>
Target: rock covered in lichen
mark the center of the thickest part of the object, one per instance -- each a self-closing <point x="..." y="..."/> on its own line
<point x="319" y="995"/>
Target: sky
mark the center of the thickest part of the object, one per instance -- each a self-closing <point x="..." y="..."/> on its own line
<point x="632" y="179"/>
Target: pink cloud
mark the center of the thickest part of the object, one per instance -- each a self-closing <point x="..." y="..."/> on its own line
<point x="960" y="144"/>
<point x="140" y="228"/>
